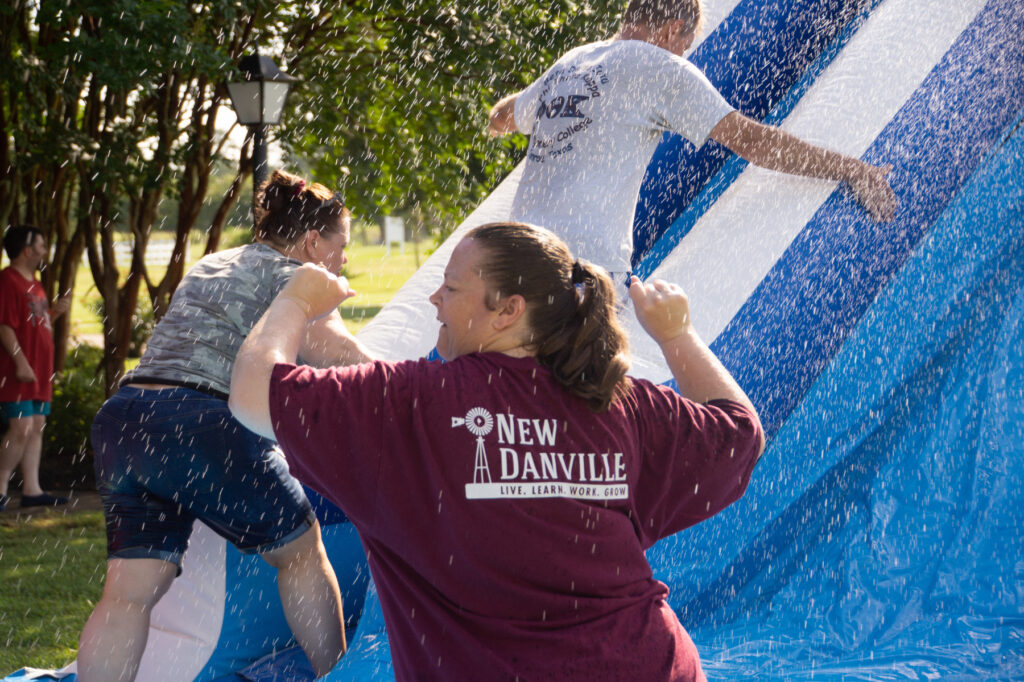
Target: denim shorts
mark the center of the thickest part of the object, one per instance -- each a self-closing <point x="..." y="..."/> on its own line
<point x="166" y="457"/>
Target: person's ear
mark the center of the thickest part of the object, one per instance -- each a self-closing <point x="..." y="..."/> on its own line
<point x="665" y="32"/>
<point x="668" y="32"/>
<point x="512" y="309"/>
<point x="309" y="242"/>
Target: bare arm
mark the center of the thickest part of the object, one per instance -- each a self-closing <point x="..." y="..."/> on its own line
<point x="775" y="149"/>
<point x="329" y="343"/>
<point x="503" y="119"/>
<point x="23" y="371"/>
<point x="277" y="337"/>
<point x="664" y="312"/>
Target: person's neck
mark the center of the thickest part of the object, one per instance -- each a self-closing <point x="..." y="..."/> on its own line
<point x="519" y="352"/>
<point x="24" y="269"/>
<point x="511" y="345"/>
<point x="288" y="251"/>
<point x="634" y="32"/>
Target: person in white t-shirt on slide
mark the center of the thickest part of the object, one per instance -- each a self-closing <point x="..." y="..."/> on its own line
<point x="597" y="115"/>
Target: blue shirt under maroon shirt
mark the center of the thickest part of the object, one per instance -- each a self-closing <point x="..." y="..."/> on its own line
<point x="505" y="523"/>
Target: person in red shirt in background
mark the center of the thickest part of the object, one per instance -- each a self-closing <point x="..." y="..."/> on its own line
<point x="26" y="363"/>
<point x="506" y="497"/>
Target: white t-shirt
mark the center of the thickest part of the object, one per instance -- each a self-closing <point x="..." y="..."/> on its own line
<point x="594" y="120"/>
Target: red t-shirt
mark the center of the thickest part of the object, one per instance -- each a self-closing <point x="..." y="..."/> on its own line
<point x="25" y="309"/>
<point x="505" y="523"/>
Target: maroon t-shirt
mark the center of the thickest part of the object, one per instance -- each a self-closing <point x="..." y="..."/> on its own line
<point x="24" y="308"/>
<point x="505" y="523"/>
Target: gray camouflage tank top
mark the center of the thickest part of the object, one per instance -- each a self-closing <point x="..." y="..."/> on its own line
<point x="213" y="309"/>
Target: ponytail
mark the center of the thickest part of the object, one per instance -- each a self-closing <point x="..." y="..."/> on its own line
<point x="570" y="308"/>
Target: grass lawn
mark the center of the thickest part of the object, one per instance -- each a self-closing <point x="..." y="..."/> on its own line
<point x="51" y="575"/>
<point x="52" y="564"/>
<point x="375" y="276"/>
<point x="372" y="272"/>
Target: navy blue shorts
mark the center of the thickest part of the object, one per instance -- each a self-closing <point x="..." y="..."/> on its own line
<point x="166" y="457"/>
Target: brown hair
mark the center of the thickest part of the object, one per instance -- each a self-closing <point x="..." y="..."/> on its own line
<point x="20" y="237"/>
<point x="287" y="208"/>
<point x="656" y="13"/>
<point x="570" y="307"/>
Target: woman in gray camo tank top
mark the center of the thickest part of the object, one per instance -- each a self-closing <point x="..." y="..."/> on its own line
<point x="169" y="452"/>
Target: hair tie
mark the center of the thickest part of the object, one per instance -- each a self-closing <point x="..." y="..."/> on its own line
<point x="579" y="273"/>
<point x="580" y="281"/>
<point x="299" y="187"/>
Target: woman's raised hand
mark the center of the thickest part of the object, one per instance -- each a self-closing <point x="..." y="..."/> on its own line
<point x="662" y="308"/>
<point x="316" y="290"/>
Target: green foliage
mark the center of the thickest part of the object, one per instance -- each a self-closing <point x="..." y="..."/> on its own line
<point x="236" y="236"/>
<point x="128" y="54"/>
<point x="396" y="95"/>
<point x="108" y="109"/>
<point x="143" y="322"/>
<point x="78" y="394"/>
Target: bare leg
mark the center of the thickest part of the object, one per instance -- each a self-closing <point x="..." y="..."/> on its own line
<point x="12" y="448"/>
<point x="311" y="598"/>
<point x="114" y="637"/>
<point x="33" y="454"/>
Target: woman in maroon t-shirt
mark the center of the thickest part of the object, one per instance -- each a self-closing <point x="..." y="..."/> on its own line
<point x="469" y="581"/>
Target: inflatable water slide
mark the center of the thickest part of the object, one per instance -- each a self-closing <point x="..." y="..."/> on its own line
<point x="882" y="535"/>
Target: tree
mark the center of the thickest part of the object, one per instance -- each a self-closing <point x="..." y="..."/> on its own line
<point x="406" y="125"/>
<point x="109" y="107"/>
<point x="108" y="111"/>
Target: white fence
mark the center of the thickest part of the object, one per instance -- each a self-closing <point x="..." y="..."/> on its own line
<point x="158" y="252"/>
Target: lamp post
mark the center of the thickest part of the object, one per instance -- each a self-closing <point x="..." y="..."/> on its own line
<point x="258" y="101"/>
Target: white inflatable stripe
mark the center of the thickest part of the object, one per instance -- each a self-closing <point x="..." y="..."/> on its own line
<point x="715" y="12"/>
<point x="845" y="109"/>
<point x="407" y="326"/>
<point x="735" y="244"/>
<point x="186" y="624"/>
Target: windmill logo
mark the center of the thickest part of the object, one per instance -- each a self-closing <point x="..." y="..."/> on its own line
<point x="478" y="422"/>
